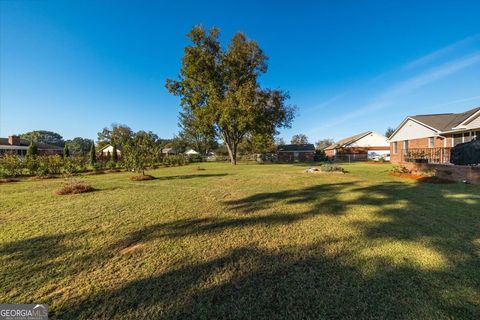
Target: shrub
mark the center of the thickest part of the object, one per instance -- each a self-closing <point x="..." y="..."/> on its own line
<point x="320" y="155"/>
<point x="51" y="164"/>
<point x="401" y="169"/>
<point x="111" y="164"/>
<point x="11" y="166"/>
<point x="329" y="167"/>
<point x="195" y="158"/>
<point x="32" y="165"/>
<point x="66" y="151"/>
<point x="171" y="161"/>
<point x="74" y="165"/>
<point x="93" y="155"/>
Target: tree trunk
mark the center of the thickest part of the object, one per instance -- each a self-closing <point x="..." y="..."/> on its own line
<point x="231" y="147"/>
<point x="232" y="154"/>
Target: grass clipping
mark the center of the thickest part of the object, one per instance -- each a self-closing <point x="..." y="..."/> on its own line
<point x="73" y="187"/>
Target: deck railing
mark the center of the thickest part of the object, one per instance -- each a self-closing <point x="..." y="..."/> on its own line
<point x="428" y="155"/>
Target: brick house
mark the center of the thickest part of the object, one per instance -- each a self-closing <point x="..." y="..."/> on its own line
<point x="296" y="153"/>
<point x="429" y="138"/>
<point x="16" y="145"/>
<point x="358" y="147"/>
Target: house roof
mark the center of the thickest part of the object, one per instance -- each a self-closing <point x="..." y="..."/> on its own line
<point x="26" y="143"/>
<point x="348" y="140"/>
<point x="296" y="147"/>
<point x="444" y="121"/>
<point x="119" y="148"/>
<point x="168" y="150"/>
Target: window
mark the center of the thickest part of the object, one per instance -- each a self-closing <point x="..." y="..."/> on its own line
<point x="457" y="139"/>
<point x="395" y="148"/>
<point x="431" y="142"/>
<point x="405" y="147"/>
<point x="467" y="137"/>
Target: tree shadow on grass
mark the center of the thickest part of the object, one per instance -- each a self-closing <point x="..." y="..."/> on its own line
<point x="197" y="227"/>
<point x="191" y="176"/>
<point x="29" y="262"/>
<point x="253" y="283"/>
<point x="360" y="280"/>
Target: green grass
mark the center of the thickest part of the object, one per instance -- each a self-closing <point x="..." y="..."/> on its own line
<point x="244" y="242"/>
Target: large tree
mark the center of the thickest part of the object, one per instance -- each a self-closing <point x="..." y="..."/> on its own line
<point x="322" y="144"/>
<point x="116" y="135"/>
<point x="221" y="89"/>
<point x="299" y="139"/>
<point x="43" y="136"/>
<point x="79" y="146"/>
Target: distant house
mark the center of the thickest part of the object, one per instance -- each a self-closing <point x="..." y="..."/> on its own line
<point x="191" y="152"/>
<point x="296" y="153"/>
<point x="429" y="137"/>
<point x="107" y="151"/>
<point x="169" y="151"/>
<point x="358" y="147"/>
<point x="18" y="146"/>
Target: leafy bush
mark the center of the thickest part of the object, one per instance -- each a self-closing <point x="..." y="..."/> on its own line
<point x="11" y="166"/>
<point x="195" y="158"/>
<point x="320" y="155"/>
<point x="74" y="165"/>
<point x="401" y="169"/>
<point x="111" y="164"/>
<point x="51" y="164"/>
<point x="171" y="161"/>
<point x="329" y="167"/>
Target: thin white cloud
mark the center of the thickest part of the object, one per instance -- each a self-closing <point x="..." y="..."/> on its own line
<point x="324" y="104"/>
<point x="388" y="96"/>
<point x="441" y="52"/>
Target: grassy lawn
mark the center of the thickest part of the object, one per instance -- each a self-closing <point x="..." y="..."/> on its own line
<point x="245" y="242"/>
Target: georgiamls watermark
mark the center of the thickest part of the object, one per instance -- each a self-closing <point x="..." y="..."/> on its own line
<point x="23" y="312"/>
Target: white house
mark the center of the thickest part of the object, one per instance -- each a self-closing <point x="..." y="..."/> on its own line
<point x="191" y="152"/>
<point x="108" y="151"/>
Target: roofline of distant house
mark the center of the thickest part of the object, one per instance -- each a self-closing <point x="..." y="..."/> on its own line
<point x="302" y="150"/>
<point x="414" y="120"/>
<point x="334" y="146"/>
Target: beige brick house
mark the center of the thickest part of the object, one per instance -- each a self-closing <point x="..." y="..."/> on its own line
<point x="429" y="138"/>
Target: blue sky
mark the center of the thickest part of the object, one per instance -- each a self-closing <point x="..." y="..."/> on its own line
<point x="76" y="66"/>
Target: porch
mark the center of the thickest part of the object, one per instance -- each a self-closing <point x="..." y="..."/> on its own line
<point x="439" y="155"/>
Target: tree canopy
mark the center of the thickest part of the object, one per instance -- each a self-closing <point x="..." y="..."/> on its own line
<point x="79" y="146"/>
<point x="196" y="134"/>
<point x="322" y="144"/>
<point x="43" y="136"/>
<point x="389" y="132"/>
<point x="299" y="139"/>
<point x="116" y="135"/>
<point x="220" y="88"/>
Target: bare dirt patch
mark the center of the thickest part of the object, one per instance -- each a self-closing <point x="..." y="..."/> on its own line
<point x="8" y="180"/>
<point x="420" y="178"/>
<point x="378" y="162"/>
<point x="132" y="248"/>
<point x="74" y="188"/>
<point x="142" y="178"/>
<point x="43" y="177"/>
